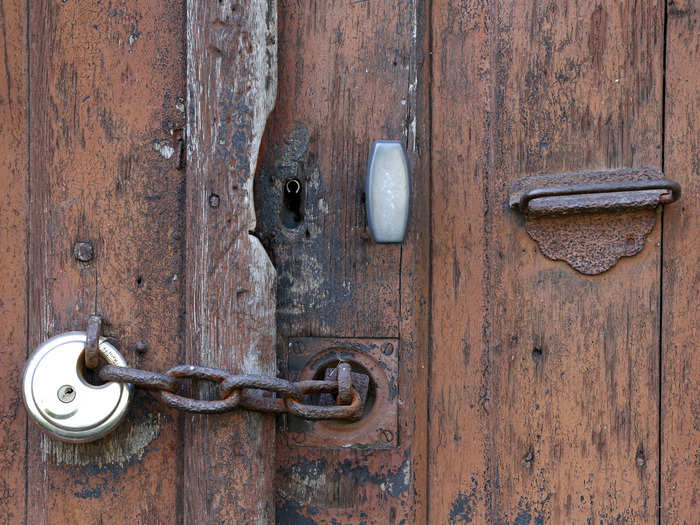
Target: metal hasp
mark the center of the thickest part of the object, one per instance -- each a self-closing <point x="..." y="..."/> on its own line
<point x="374" y="373"/>
<point x="591" y="219"/>
<point x="387" y="191"/>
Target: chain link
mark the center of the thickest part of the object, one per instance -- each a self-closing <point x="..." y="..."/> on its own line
<point x="234" y="391"/>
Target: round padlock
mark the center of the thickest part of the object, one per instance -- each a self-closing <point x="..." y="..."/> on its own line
<point x="61" y="400"/>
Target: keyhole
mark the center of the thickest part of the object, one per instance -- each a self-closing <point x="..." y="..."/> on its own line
<point x="292" y="214"/>
<point x="66" y="394"/>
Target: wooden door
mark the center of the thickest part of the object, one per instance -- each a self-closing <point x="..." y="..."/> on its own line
<point x="525" y="391"/>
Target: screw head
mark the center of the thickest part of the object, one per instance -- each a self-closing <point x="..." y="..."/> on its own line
<point x="387" y="348"/>
<point x="214" y="200"/>
<point x="141" y="347"/>
<point x="83" y="251"/>
<point x="387" y="436"/>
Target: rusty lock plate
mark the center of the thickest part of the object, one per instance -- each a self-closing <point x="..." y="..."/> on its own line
<point x="311" y="357"/>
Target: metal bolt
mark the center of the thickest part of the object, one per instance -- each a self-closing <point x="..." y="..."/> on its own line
<point x="83" y="251"/>
<point x="214" y="200"/>
<point x="66" y="394"/>
<point x="141" y="347"/>
<point x="387" y="348"/>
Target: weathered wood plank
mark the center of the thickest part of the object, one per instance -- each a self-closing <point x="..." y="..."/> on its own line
<point x="680" y="413"/>
<point x="14" y="201"/>
<point x="348" y="76"/>
<point x="343" y="84"/>
<point x="457" y="469"/>
<point x="544" y="382"/>
<point x="230" y="322"/>
<point x="414" y="327"/>
<point x="107" y="105"/>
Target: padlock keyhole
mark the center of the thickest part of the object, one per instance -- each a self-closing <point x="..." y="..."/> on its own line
<point x="66" y="394"/>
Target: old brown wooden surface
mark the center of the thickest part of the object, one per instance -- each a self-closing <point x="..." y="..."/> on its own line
<point x="680" y="412"/>
<point x="544" y="389"/>
<point x="544" y="382"/>
<point x="13" y="256"/>
<point x="230" y="315"/>
<point x="106" y="93"/>
<point x="348" y="76"/>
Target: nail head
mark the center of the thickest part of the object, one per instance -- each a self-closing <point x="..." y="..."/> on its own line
<point x="83" y="251"/>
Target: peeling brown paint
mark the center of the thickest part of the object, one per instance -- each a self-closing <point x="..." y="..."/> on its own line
<point x="555" y="95"/>
<point x="98" y="106"/>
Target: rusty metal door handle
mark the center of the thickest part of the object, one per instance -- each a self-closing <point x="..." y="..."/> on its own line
<point x="565" y="193"/>
<point x="562" y="213"/>
<point x="672" y="188"/>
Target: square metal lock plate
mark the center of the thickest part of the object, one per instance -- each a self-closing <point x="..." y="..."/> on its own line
<point x="309" y="357"/>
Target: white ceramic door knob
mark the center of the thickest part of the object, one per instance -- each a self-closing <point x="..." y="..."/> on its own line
<point x="387" y="191"/>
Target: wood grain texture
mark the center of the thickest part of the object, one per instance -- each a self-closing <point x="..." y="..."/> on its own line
<point x="528" y="393"/>
<point x="231" y="89"/>
<point x="680" y="411"/>
<point x="348" y="76"/>
<point x="107" y="106"/>
<point x="414" y="325"/>
<point x="14" y="202"/>
<point x="544" y="382"/>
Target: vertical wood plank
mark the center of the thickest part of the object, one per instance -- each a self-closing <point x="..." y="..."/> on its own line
<point x="544" y="382"/>
<point x="350" y="73"/>
<point x="458" y="479"/>
<point x="107" y="107"/>
<point x="14" y="203"/>
<point x="344" y="83"/>
<point x="231" y="89"/>
<point x="414" y="327"/>
<point x="680" y="413"/>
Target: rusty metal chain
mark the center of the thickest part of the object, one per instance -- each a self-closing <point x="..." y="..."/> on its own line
<point x="234" y="391"/>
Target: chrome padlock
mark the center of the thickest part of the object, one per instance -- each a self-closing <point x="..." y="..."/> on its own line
<point x="61" y="400"/>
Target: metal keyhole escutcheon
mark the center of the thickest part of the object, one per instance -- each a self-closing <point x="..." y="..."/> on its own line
<point x="62" y="401"/>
